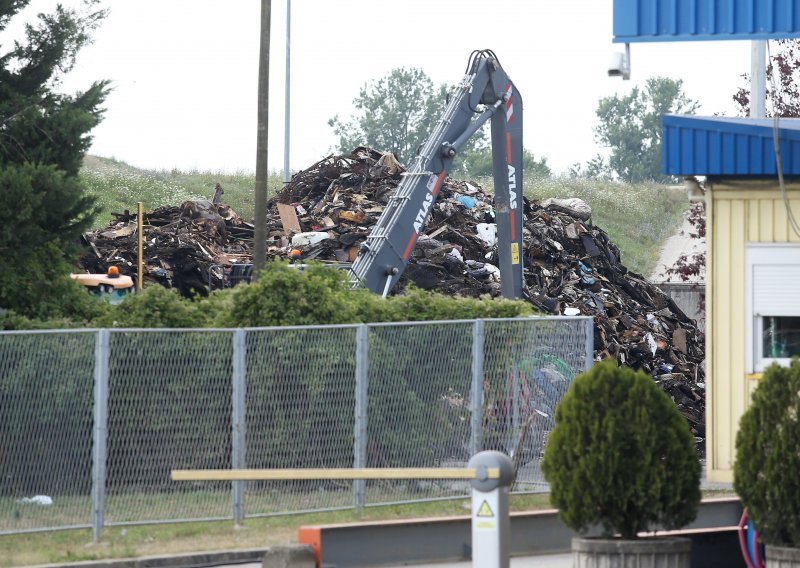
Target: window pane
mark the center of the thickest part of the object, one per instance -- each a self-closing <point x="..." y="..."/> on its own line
<point x="781" y="337"/>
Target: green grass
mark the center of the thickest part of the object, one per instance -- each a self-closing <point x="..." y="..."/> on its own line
<point x="204" y="503"/>
<point x="148" y="540"/>
<point x="119" y="186"/>
<point x="637" y="217"/>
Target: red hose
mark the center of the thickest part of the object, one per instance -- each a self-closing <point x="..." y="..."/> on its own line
<point x="757" y="551"/>
<point x="743" y="540"/>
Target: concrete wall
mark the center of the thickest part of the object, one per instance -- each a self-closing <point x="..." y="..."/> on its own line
<point x="689" y="298"/>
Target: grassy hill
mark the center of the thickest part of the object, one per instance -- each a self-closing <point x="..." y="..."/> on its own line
<point x="638" y="218"/>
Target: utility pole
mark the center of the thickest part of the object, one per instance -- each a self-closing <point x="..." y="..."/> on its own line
<point x="262" y="169"/>
<point x="758" y="78"/>
<point x="287" y="91"/>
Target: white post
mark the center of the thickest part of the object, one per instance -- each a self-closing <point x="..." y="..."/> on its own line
<point x="491" y="526"/>
<point x="758" y="79"/>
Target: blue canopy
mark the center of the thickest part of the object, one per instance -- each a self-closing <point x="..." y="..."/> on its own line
<point x="687" y="20"/>
<point x="702" y="145"/>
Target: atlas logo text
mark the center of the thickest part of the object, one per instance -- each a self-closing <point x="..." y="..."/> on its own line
<point x="423" y="212"/>
<point x="512" y="186"/>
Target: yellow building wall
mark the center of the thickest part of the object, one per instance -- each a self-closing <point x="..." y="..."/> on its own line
<point x="738" y="212"/>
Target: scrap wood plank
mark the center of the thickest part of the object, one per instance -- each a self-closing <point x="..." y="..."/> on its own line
<point x="289" y="219"/>
<point x="439" y="231"/>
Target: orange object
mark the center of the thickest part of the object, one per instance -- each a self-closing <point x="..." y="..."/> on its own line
<point x="113" y="272"/>
<point x="295" y="253"/>
<point x="312" y="537"/>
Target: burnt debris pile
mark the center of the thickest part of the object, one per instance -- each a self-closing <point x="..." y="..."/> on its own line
<point x="326" y="211"/>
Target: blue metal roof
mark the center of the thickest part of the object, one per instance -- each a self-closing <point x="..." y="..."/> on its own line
<point x="684" y="20"/>
<point x="700" y="145"/>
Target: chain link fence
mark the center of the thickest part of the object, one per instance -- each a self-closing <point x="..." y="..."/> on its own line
<point x="93" y="421"/>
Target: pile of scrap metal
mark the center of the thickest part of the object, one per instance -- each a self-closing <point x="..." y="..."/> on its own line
<point x="326" y="211"/>
<point x="185" y="247"/>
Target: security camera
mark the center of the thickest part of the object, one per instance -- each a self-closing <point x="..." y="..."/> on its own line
<point x="616" y="66"/>
<point x="619" y="66"/>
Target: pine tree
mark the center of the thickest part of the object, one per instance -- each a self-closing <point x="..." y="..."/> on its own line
<point x="44" y="135"/>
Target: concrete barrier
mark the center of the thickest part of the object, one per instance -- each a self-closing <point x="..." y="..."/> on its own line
<point x="359" y="545"/>
<point x="292" y="556"/>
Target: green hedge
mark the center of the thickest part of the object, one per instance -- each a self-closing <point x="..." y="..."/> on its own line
<point x="317" y="295"/>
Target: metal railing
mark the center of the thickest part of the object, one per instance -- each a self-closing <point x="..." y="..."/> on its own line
<point x="93" y="421"/>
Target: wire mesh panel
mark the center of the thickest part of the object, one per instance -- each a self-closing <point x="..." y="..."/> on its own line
<point x="529" y="365"/>
<point x="383" y="395"/>
<point x="300" y="414"/>
<point x="169" y="407"/>
<point x="45" y="430"/>
<point x="419" y="390"/>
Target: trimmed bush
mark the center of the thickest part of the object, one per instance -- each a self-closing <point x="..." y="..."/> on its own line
<point x="282" y="296"/>
<point x="153" y="307"/>
<point x="766" y="474"/>
<point x="621" y="455"/>
<point x="320" y="295"/>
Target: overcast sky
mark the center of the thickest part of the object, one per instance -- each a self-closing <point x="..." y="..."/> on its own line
<point x="185" y="72"/>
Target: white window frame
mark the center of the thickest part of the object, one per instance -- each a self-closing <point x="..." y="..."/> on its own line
<point x="761" y="254"/>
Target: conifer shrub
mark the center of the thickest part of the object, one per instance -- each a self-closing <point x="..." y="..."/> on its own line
<point x="766" y="473"/>
<point x="621" y="456"/>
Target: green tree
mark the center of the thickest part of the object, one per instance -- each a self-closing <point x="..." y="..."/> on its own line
<point x="478" y="163"/>
<point x="396" y="113"/>
<point x="630" y="126"/>
<point x="43" y="138"/>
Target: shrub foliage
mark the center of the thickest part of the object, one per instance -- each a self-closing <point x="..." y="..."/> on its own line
<point x="765" y="474"/>
<point x="320" y="295"/>
<point x="621" y="455"/>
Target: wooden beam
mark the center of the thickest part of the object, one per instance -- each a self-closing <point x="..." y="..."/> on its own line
<point x="329" y="473"/>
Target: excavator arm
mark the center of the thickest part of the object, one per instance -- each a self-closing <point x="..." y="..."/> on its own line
<point x="485" y="93"/>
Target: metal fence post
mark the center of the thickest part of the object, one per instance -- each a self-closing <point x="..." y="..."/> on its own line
<point x="99" y="453"/>
<point x="476" y="398"/>
<point x="589" y="343"/>
<point x="360" y="429"/>
<point x="516" y="395"/>
<point x="238" y="430"/>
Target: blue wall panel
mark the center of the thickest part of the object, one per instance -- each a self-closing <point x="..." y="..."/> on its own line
<point x="686" y="20"/>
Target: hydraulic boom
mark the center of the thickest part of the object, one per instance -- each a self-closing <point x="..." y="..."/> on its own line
<point x="485" y="91"/>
